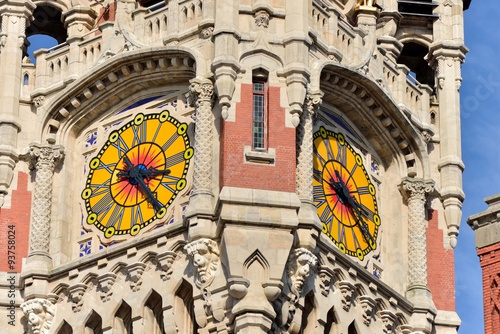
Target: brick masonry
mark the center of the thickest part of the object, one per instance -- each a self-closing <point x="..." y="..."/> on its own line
<point x="489" y="258"/>
<point x="19" y="217"/>
<point x="236" y="172"/>
<point x="440" y="266"/>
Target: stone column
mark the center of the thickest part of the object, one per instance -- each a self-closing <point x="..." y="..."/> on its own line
<point x="416" y="191"/>
<point x="16" y="15"/>
<point x="201" y="206"/>
<point x="308" y="217"/>
<point x="43" y="161"/>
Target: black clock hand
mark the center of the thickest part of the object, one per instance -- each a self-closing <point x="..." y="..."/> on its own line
<point x="151" y="172"/>
<point x="149" y="194"/>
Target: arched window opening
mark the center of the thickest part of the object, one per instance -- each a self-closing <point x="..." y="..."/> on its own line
<point x="65" y="328"/>
<point x="153" y="314"/>
<point x="352" y="329"/>
<point x="331" y="321"/>
<point x="308" y="324"/>
<point x="46" y="30"/>
<point x="26" y="79"/>
<point x="184" y="309"/>
<point x="259" y="109"/>
<point x="93" y="324"/>
<point x="123" y="319"/>
<point x="413" y="56"/>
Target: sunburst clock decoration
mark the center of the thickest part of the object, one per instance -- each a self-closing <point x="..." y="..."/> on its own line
<point x="344" y="195"/>
<point x="137" y="174"/>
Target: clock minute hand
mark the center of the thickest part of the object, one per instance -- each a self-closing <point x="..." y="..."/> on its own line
<point x="148" y="192"/>
<point x="151" y="172"/>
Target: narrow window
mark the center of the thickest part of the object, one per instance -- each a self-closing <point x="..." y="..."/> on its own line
<point x="259" y="109"/>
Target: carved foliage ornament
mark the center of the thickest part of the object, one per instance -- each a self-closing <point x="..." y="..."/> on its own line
<point x="40" y="313"/>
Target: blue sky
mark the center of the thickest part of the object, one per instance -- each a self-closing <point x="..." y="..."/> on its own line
<point x="480" y="96"/>
<point x="480" y="103"/>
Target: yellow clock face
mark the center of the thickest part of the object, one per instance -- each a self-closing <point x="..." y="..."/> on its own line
<point x="344" y="195"/>
<point x="137" y="174"/>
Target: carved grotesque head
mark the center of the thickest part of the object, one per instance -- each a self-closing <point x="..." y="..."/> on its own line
<point x="204" y="254"/>
<point x="300" y="265"/>
<point x="40" y="313"/>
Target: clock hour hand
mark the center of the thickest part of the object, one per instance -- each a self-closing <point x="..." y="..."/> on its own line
<point x="152" y="172"/>
<point x="148" y="192"/>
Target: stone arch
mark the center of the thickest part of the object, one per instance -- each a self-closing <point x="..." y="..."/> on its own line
<point x="256" y="264"/>
<point x="183" y="308"/>
<point x="378" y="117"/>
<point x="48" y="21"/>
<point x="122" y="321"/>
<point x="332" y="321"/>
<point x="413" y="55"/>
<point x="64" y="328"/>
<point x="94" y="322"/>
<point x="127" y="74"/>
<point x="152" y="313"/>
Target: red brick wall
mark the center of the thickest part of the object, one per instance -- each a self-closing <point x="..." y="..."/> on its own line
<point x="17" y="216"/>
<point x="235" y="172"/>
<point x="440" y="266"/>
<point x="489" y="258"/>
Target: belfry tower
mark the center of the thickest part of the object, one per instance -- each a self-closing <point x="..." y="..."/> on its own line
<point x="214" y="166"/>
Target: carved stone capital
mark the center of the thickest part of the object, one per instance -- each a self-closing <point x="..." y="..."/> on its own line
<point x="204" y="254"/>
<point x="45" y="156"/>
<point x="39" y="312"/>
<point x="200" y="90"/>
<point x="389" y="320"/>
<point x="313" y="101"/>
<point x="416" y="188"/>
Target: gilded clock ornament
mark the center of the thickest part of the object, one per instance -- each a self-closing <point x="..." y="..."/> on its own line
<point x="344" y="195"/>
<point x="137" y="174"/>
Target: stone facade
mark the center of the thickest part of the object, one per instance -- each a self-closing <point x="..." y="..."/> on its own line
<point x="225" y="234"/>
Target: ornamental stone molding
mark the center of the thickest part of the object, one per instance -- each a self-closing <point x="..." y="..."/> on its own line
<point x="368" y="305"/>
<point x="326" y="276"/>
<point x="43" y="161"/>
<point x="262" y="19"/>
<point x="305" y="147"/>
<point x="166" y="261"/>
<point x="105" y="283"/>
<point x="300" y="264"/>
<point x="40" y="313"/>
<point x="347" y="290"/>
<point x="201" y="97"/>
<point x="135" y="271"/>
<point x="416" y="191"/>
<point x="76" y="293"/>
<point x="204" y="255"/>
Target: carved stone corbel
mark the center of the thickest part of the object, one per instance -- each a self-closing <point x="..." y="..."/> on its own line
<point x="76" y="293"/>
<point x="326" y="276"/>
<point x="40" y="313"/>
<point x="166" y="261"/>
<point x="347" y="290"/>
<point x="134" y="272"/>
<point x="105" y="283"/>
<point x="389" y="320"/>
<point x="368" y="305"/>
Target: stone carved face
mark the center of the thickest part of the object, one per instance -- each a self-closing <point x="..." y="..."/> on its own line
<point x="39" y="313"/>
<point x="300" y="265"/>
<point x="205" y="257"/>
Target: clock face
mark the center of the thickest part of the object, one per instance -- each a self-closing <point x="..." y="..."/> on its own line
<point x="344" y="195"/>
<point x="137" y="174"/>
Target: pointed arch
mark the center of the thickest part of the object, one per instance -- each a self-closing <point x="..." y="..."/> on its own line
<point x="122" y="323"/>
<point x="153" y="314"/>
<point x="308" y="322"/>
<point x="352" y="329"/>
<point x="332" y="322"/>
<point x="184" y="309"/>
<point x="256" y="266"/>
<point x="64" y="328"/>
<point x="93" y="323"/>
